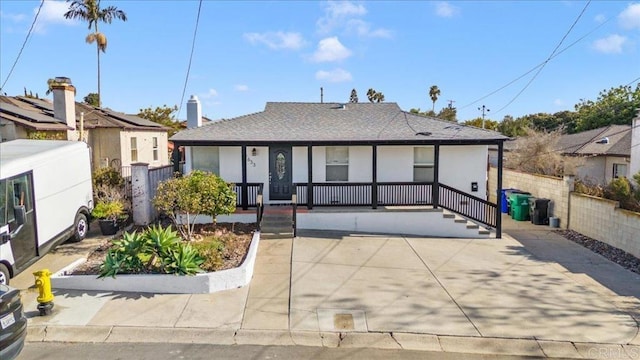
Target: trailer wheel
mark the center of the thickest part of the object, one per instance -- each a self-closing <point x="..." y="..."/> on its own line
<point x="4" y="274"/>
<point x="80" y="228"/>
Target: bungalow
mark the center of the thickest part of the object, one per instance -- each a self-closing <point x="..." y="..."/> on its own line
<point x="348" y="157"/>
<point x="116" y="139"/>
<point x="606" y="152"/>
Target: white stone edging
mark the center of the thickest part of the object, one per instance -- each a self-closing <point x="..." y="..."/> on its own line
<point x="158" y="283"/>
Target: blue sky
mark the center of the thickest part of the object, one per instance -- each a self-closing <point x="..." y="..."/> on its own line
<point x="250" y="52"/>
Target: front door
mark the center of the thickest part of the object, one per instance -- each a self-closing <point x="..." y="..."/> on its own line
<point x="280" y="185"/>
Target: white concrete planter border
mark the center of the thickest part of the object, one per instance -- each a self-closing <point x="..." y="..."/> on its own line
<point x="158" y="283"/>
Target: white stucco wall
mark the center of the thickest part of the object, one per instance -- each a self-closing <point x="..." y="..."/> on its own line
<point x="592" y="170"/>
<point x="144" y="140"/>
<point x="231" y="163"/>
<point x="459" y="165"/>
<point x="634" y="163"/>
<point x="609" y="161"/>
<point x="462" y="165"/>
<point x="395" y="163"/>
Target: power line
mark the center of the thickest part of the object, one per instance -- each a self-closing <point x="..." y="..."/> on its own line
<point x="193" y="45"/>
<point x="23" y="45"/>
<point x="537" y="66"/>
<point x="548" y="59"/>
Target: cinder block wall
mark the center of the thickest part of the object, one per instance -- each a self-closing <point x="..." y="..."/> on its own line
<point x="603" y="220"/>
<point x="540" y="186"/>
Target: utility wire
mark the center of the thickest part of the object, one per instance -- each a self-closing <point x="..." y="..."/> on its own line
<point x="548" y="59"/>
<point x="193" y="45"/>
<point x="537" y="66"/>
<point x="35" y="19"/>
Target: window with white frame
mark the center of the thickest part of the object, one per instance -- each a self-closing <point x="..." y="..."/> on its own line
<point x="155" y="148"/>
<point x="134" y="149"/>
<point x="423" y="160"/>
<point x="619" y="170"/>
<point x="337" y="168"/>
<point x="206" y="158"/>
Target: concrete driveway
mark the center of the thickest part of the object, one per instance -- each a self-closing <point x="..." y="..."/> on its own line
<point x="461" y="287"/>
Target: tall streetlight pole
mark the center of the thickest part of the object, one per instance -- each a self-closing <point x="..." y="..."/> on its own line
<point x="484" y="109"/>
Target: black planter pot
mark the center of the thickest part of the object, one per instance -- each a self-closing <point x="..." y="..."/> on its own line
<point x="108" y="227"/>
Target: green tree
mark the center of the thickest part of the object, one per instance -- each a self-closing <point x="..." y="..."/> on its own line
<point x="448" y="113"/>
<point x="513" y="128"/>
<point x="488" y="123"/>
<point x="163" y="115"/>
<point x="90" y="11"/>
<point x="614" y="106"/>
<point x="434" y="92"/>
<point x="354" y="96"/>
<point x="183" y="199"/>
<point x="92" y="99"/>
<point x="375" y="96"/>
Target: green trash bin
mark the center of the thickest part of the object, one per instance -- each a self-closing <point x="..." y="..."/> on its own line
<point x="521" y="207"/>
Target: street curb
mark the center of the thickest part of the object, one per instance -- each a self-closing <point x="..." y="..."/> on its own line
<point x="374" y="340"/>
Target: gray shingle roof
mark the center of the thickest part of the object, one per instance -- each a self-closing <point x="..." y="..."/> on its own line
<point x="585" y="143"/>
<point x="318" y="122"/>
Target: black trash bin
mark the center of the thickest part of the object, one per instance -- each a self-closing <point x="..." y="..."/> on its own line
<point x="539" y="211"/>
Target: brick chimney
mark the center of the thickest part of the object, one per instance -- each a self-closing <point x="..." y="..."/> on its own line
<point x="64" y="104"/>
<point x="194" y="113"/>
<point x="634" y="165"/>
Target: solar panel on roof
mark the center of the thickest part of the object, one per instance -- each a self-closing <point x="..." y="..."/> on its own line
<point x="132" y="119"/>
<point x="37" y="102"/>
<point x="27" y="114"/>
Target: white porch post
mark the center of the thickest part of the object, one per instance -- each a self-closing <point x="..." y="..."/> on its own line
<point x="140" y="199"/>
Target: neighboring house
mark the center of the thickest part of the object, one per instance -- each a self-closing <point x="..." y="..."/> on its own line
<point x="606" y="152"/>
<point x="116" y="139"/>
<point x="345" y="155"/>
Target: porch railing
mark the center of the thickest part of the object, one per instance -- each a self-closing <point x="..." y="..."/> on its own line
<point x="400" y="194"/>
<point x="253" y="189"/>
<point x="467" y="205"/>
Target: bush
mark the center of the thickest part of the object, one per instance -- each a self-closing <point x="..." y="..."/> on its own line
<point x="620" y="190"/>
<point x="108" y="210"/>
<point x="156" y="250"/>
<point x="183" y="199"/>
<point x="107" y="176"/>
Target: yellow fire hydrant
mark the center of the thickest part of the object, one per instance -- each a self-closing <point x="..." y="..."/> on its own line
<point x="45" y="296"/>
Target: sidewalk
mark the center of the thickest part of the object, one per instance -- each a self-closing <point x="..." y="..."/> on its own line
<point x="530" y="293"/>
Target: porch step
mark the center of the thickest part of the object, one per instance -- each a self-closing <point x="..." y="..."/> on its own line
<point x="277" y="223"/>
<point x="276" y="235"/>
<point x="482" y="232"/>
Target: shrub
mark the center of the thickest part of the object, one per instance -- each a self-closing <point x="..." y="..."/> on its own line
<point x="108" y="210"/>
<point x="183" y="199"/>
<point x="107" y="176"/>
<point x="620" y="190"/>
<point x="155" y="250"/>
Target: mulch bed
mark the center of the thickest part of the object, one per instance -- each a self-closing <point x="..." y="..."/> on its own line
<point x="243" y="232"/>
<point x="614" y="254"/>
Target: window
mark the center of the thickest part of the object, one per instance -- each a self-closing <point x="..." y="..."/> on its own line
<point x="423" y="164"/>
<point x="205" y="158"/>
<point x="155" y="148"/>
<point x="619" y="170"/>
<point x="337" y="163"/>
<point x="134" y="149"/>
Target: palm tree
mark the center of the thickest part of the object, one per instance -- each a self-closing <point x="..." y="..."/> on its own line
<point x="90" y="11"/>
<point x="434" y="92"/>
<point x="371" y="94"/>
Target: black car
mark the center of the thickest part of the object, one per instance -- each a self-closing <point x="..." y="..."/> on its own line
<point x="13" y="323"/>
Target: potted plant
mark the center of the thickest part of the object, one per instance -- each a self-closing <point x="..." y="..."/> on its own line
<point x="109" y="213"/>
<point x="110" y="207"/>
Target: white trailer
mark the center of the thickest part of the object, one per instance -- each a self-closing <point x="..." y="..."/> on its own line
<point x="46" y="198"/>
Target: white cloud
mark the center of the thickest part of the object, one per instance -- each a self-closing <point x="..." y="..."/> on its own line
<point x="600" y="18"/>
<point x="336" y="12"/>
<point x="209" y="94"/>
<point x="336" y="75"/>
<point x="444" y="9"/>
<point x="611" y="44"/>
<point x="330" y="49"/>
<point x="558" y="102"/>
<point x="241" y="88"/>
<point x="52" y="13"/>
<point x="629" y="18"/>
<point x="363" y="29"/>
<point x="12" y="17"/>
<point x="277" y="40"/>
